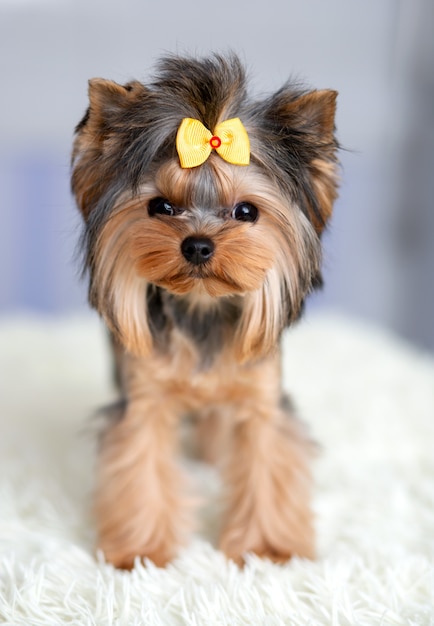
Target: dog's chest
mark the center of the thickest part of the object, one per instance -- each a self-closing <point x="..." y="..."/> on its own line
<point x="207" y="327"/>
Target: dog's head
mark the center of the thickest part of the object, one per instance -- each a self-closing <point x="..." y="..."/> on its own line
<point x="211" y="233"/>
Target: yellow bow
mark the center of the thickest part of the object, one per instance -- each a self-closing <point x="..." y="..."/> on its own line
<point x="194" y="142"/>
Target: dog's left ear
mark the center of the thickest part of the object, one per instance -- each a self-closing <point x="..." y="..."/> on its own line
<point x="314" y="112"/>
<point x="304" y="125"/>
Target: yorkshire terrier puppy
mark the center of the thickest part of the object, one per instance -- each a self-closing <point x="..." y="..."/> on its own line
<point x="203" y="211"/>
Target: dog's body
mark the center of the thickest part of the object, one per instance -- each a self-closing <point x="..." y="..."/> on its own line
<point x="196" y="271"/>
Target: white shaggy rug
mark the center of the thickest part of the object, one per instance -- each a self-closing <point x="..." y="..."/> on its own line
<point x="369" y="400"/>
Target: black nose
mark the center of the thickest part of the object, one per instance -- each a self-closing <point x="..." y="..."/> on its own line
<point x="197" y="250"/>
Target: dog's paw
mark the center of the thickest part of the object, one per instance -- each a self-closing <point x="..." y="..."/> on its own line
<point x="159" y="555"/>
<point x="236" y="543"/>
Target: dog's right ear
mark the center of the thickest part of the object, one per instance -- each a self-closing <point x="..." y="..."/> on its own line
<point x="94" y="159"/>
<point x="108" y="101"/>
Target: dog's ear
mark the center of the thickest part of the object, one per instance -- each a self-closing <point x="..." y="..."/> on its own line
<point x="110" y="108"/>
<point x="313" y="113"/>
<point x="304" y="129"/>
<point x="107" y="101"/>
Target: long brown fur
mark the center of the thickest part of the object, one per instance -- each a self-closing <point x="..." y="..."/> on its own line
<point x="203" y="339"/>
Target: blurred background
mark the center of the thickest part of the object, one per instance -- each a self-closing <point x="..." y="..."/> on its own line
<point x="379" y="258"/>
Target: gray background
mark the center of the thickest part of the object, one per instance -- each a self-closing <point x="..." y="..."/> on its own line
<point x="379" y="55"/>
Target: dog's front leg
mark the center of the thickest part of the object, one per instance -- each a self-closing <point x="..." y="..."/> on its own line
<point x="268" y="480"/>
<point x="140" y="507"/>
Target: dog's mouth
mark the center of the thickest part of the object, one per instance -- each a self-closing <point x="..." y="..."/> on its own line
<point x="212" y="277"/>
<point x="200" y="280"/>
<point x="199" y="265"/>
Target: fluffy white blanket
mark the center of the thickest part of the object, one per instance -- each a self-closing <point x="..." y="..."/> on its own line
<point x="369" y="400"/>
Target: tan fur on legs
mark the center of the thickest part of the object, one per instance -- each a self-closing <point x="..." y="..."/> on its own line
<point x="139" y="506"/>
<point x="269" y="486"/>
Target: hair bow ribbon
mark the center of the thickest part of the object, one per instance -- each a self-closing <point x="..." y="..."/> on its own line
<point x="194" y="142"/>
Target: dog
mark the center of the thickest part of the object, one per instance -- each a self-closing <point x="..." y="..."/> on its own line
<point x="203" y="212"/>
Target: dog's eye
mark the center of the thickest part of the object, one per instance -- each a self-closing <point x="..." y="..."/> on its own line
<point x="245" y="212"/>
<point x="160" y="206"/>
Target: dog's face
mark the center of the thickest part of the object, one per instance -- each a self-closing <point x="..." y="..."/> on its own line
<point x="209" y="233"/>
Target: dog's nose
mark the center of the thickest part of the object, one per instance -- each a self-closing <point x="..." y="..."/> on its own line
<point x="197" y="250"/>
